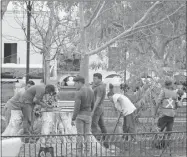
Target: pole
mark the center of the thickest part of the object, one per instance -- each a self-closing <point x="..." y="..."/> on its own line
<point x="125" y="75"/>
<point x="125" y="57"/>
<point x="28" y="39"/>
<point x="84" y="66"/>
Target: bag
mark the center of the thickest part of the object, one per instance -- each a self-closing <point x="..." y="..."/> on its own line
<point x="46" y="152"/>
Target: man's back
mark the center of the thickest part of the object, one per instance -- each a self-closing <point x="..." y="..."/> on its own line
<point x="87" y="99"/>
<point x="125" y="104"/>
<point x="167" y="99"/>
<point x="37" y="91"/>
<point x="14" y="103"/>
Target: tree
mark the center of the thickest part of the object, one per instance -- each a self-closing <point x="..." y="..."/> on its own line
<point x="4" y="5"/>
<point x="141" y="45"/>
<point x="144" y="21"/>
<point x="49" y="31"/>
<point x="103" y="23"/>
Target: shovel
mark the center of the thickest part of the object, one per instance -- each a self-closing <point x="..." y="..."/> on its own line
<point x="121" y="113"/>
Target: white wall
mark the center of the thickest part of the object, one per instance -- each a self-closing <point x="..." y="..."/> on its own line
<point x="12" y="33"/>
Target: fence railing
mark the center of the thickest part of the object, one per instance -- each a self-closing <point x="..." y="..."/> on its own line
<point x="144" y="145"/>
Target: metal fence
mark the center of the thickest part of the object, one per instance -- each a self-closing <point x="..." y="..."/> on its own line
<point x="145" y="145"/>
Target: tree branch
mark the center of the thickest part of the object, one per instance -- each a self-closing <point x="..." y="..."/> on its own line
<point x="95" y="14"/>
<point x="36" y="27"/>
<point x="146" y="14"/>
<point x="24" y="30"/>
<point x="126" y="33"/>
<point x="168" y="41"/>
<point x="176" y="37"/>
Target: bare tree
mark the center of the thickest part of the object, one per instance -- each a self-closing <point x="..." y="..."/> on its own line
<point x="4" y="5"/>
<point x="49" y="32"/>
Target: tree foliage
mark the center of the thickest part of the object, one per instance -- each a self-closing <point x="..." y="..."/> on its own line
<point x="153" y="47"/>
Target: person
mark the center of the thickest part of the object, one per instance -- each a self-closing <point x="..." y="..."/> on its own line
<point x="167" y="102"/>
<point x="13" y="103"/>
<point x="99" y="89"/>
<point x="136" y="94"/>
<point x="84" y="102"/>
<point x="127" y="109"/>
<point x="34" y="95"/>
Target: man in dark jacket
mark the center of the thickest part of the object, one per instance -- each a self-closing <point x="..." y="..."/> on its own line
<point x="97" y="114"/>
<point x="84" y="102"/>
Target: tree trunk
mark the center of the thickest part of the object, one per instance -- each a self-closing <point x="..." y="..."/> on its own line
<point x="46" y="66"/>
<point x="48" y="41"/>
<point x="84" y="67"/>
<point x="4" y="5"/>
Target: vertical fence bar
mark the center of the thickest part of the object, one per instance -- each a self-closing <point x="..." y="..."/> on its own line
<point x="24" y="148"/>
<point x="91" y="146"/>
<point x="96" y="149"/>
<point x="61" y="148"/>
<point x="35" y="148"/>
<point x="29" y="148"/>
<point x="56" y="146"/>
<point x="71" y="150"/>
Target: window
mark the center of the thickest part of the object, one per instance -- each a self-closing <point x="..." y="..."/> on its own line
<point x="10" y="52"/>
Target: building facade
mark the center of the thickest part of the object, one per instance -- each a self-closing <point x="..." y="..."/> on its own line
<point x="14" y="48"/>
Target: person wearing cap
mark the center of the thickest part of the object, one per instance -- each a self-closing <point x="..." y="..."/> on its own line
<point x="84" y="103"/>
<point x="126" y="109"/>
<point x="13" y="103"/>
<point x="168" y="103"/>
<point x="34" y="95"/>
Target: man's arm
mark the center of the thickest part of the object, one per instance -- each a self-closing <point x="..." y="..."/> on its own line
<point x="40" y="92"/>
<point x="92" y="103"/>
<point x="76" y="106"/>
<point x="98" y="99"/>
<point x="100" y="92"/>
<point x="41" y="103"/>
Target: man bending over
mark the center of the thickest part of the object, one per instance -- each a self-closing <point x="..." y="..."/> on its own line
<point x="32" y="96"/>
<point x="13" y="103"/>
<point x="126" y="108"/>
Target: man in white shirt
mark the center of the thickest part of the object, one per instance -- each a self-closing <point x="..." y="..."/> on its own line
<point x="127" y="108"/>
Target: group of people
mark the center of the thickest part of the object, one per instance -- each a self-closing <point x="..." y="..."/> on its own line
<point x="88" y="111"/>
<point x="25" y="100"/>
